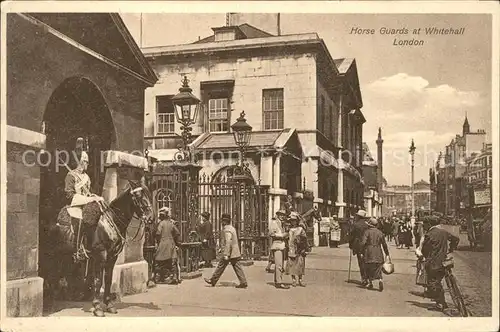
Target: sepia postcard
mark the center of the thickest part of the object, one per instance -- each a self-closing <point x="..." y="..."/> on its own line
<point x="199" y="165"/>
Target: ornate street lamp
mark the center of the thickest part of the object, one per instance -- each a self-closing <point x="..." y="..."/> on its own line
<point x="412" y="153"/>
<point x="242" y="133"/>
<point x="186" y="111"/>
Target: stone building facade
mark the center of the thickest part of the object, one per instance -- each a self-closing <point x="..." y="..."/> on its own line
<point x="450" y="172"/>
<point x="304" y="107"/>
<point x="68" y="75"/>
<point x="397" y="199"/>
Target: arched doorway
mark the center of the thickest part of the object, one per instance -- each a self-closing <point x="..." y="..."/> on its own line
<point x="75" y="109"/>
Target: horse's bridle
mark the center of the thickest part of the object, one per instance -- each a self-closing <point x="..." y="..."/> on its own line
<point x="141" y="206"/>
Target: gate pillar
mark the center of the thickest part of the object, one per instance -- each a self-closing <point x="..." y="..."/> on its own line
<point x="131" y="270"/>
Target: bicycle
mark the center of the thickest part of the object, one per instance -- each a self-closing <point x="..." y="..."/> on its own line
<point x="453" y="288"/>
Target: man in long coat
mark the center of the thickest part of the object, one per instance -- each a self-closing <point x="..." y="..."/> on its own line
<point x="278" y="246"/>
<point x="358" y="228"/>
<point x="438" y="242"/>
<point x="231" y="254"/>
<point x="168" y="238"/>
<point x="207" y="240"/>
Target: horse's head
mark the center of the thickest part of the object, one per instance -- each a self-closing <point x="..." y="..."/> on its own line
<point x="316" y="214"/>
<point x="142" y="206"/>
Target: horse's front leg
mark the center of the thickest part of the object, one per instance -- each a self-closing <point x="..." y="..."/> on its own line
<point x="100" y="259"/>
<point x="108" y="279"/>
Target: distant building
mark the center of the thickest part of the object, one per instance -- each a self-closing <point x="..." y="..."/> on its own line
<point x="476" y="193"/>
<point x="397" y="199"/>
<point x="450" y="169"/>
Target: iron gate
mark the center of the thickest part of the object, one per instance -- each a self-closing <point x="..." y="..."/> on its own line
<point x="247" y="203"/>
<point x="177" y="188"/>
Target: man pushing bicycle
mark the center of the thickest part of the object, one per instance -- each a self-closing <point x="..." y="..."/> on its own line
<point x="435" y="250"/>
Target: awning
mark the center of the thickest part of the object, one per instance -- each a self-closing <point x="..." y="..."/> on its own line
<point x="163" y="154"/>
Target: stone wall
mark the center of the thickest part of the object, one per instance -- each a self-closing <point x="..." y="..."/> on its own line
<point x="23" y="190"/>
<point x="39" y="66"/>
<point x="295" y="74"/>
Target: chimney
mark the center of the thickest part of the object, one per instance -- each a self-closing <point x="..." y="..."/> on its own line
<point x="278" y="21"/>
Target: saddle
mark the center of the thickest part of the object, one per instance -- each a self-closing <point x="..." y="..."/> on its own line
<point x="77" y="230"/>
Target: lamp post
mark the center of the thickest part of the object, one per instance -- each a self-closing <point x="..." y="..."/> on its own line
<point x="187" y="171"/>
<point x="412" y="153"/>
<point x="242" y="133"/>
<point x="186" y="111"/>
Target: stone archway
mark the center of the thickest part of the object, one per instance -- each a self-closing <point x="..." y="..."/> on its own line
<point x="75" y="109"/>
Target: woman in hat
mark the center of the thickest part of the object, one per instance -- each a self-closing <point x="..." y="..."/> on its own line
<point x="372" y="243"/>
<point x="297" y="244"/>
<point x="207" y="239"/>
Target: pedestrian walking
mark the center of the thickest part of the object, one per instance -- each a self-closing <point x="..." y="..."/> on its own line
<point x="418" y="232"/>
<point x="408" y="234"/>
<point x="395" y="231"/>
<point x="297" y="244"/>
<point x="168" y="238"/>
<point x="373" y="247"/>
<point x="205" y="231"/>
<point x="358" y="228"/>
<point x="231" y="254"/>
<point x="278" y="247"/>
<point x="438" y="243"/>
<point x="402" y="234"/>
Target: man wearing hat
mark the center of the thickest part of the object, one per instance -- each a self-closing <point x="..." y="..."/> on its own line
<point x="231" y="254"/>
<point x="278" y="237"/>
<point x="356" y="234"/>
<point x="437" y="244"/>
<point x="168" y="238"/>
<point x="207" y="239"/>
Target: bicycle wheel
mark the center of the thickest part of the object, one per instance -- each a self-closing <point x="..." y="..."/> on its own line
<point x="451" y="290"/>
<point x="460" y="300"/>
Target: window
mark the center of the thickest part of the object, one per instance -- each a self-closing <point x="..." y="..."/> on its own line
<point x="272" y="109"/>
<point x="216" y="99"/>
<point x="224" y="36"/>
<point x="218" y="115"/>
<point x="165" y="118"/>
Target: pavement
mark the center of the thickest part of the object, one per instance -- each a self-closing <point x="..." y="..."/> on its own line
<point x="328" y="293"/>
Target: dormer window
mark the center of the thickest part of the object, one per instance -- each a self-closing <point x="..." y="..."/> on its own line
<point x="225" y="35"/>
<point x="228" y="33"/>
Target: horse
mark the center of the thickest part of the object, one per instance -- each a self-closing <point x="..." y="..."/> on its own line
<point x="107" y="237"/>
<point x="308" y="218"/>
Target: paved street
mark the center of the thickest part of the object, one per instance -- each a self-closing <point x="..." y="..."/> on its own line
<point x="327" y="293"/>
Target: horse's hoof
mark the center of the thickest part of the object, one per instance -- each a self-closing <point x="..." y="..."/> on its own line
<point x="112" y="310"/>
<point x="98" y="313"/>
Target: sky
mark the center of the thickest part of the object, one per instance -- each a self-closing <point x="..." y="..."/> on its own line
<point x="420" y="92"/>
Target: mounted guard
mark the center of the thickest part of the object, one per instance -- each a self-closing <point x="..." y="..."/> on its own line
<point x="79" y="196"/>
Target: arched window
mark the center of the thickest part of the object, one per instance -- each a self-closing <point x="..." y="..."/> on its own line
<point x="164" y="198"/>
